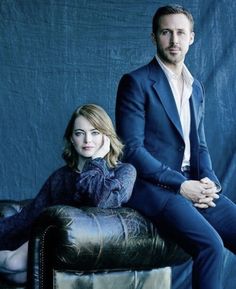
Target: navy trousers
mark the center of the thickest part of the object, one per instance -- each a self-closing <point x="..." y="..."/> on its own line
<point x="203" y="233"/>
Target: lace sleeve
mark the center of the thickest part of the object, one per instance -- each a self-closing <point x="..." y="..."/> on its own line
<point x="104" y="187"/>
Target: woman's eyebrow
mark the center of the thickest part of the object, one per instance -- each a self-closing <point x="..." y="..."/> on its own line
<point x="76" y="129"/>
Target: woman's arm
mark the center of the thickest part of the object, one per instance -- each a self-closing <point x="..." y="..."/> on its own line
<point x="106" y="188"/>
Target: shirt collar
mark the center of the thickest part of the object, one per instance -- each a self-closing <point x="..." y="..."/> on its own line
<point x="172" y="76"/>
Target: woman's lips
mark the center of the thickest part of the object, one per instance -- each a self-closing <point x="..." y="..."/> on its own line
<point x="88" y="148"/>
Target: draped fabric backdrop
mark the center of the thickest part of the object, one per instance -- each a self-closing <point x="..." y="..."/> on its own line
<point x="58" y="54"/>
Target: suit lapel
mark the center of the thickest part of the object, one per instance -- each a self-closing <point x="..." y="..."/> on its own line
<point x="163" y="90"/>
<point x="195" y="103"/>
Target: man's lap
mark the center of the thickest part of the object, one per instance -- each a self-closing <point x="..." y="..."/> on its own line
<point x="182" y="222"/>
<point x="177" y="216"/>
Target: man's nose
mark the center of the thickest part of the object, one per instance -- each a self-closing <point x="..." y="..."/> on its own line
<point x="174" y="38"/>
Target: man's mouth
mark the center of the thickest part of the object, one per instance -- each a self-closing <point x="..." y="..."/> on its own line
<point x="174" y="49"/>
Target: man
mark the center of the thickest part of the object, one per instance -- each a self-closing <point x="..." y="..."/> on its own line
<point x="159" y="117"/>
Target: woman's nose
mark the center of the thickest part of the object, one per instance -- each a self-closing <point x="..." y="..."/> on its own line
<point x="87" y="138"/>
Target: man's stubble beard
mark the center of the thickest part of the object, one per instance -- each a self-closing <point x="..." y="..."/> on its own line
<point x="167" y="58"/>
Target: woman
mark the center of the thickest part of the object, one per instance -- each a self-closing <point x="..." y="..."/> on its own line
<point x="92" y="176"/>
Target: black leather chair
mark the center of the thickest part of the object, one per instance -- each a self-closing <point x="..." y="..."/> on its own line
<point x="89" y="248"/>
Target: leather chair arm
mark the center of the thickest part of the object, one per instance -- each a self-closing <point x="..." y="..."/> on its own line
<point x="90" y="239"/>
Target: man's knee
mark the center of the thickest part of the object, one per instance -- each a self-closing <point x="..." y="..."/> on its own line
<point x="215" y="247"/>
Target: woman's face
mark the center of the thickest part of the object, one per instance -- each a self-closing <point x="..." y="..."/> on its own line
<point x="87" y="140"/>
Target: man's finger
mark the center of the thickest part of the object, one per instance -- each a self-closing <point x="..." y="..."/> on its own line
<point x="200" y="206"/>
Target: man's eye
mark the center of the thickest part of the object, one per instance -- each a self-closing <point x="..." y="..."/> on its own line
<point x="165" y="32"/>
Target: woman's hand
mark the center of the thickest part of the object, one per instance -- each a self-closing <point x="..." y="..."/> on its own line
<point x="104" y="149"/>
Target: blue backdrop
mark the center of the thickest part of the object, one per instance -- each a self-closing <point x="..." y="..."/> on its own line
<point x="58" y="54"/>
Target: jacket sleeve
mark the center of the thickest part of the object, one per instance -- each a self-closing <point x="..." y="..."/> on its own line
<point x="130" y="124"/>
<point x="105" y="187"/>
<point x="205" y="164"/>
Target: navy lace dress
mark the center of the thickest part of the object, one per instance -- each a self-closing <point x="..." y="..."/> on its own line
<point x="96" y="185"/>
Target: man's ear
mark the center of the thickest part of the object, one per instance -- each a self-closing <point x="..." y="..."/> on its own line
<point x="192" y="36"/>
<point x="153" y="36"/>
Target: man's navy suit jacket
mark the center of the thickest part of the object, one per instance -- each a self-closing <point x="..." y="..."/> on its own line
<point x="148" y="123"/>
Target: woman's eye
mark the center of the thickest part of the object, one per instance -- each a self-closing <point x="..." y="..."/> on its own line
<point x="78" y="133"/>
<point x="95" y="132"/>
